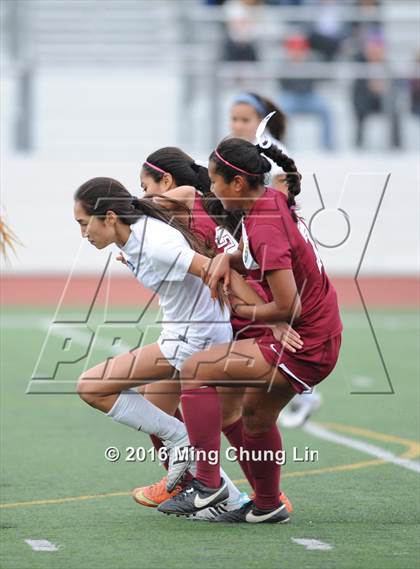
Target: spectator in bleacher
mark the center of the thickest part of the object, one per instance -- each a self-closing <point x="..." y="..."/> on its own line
<point x="240" y="31"/>
<point x="327" y="34"/>
<point x="369" y="24"/>
<point x="375" y="95"/>
<point x="299" y="94"/>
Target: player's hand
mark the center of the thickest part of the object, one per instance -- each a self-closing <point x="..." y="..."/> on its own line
<point x="216" y="269"/>
<point x="289" y="338"/>
<point x="120" y="257"/>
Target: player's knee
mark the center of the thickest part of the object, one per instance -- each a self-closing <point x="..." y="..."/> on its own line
<point x="85" y="393"/>
<point x="231" y="411"/>
<point x="188" y="374"/>
<point x="256" y="421"/>
<point x="229" y="417"/>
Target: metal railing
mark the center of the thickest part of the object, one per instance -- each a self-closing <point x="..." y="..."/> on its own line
<point x="180" y="35"/>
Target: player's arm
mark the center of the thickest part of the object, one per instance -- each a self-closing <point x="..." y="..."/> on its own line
<point x="242" y="295"/>
<point x="286" y="305"/>
<point x="238" y="287"/>
<point x="219" y="268"/>
<point x="182" y="194"/>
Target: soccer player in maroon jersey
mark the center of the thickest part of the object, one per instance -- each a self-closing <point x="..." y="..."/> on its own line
<point x="176" y="177"/>
<point x="277" y="249"/>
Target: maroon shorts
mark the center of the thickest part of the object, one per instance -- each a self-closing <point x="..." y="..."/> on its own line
<point x="305" y="368"/>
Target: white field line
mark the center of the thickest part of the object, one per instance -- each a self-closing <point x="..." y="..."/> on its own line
<point x="312" y="544"/>
<point x="362" y="381"/>
<point x="21" y="322"/>
<point x="351" y="321"/>
<point x="41" y="545"/>
<point x="367" y="448"/>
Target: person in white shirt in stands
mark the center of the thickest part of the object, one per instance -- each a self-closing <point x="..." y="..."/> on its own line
<point x="246" y="112"/>
<point x="167" y="259"/>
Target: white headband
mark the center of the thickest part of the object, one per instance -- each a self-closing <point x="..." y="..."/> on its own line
<point x="262" y="141"/>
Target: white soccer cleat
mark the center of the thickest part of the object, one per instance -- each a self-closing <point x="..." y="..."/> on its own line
<point x="299" y="410"/>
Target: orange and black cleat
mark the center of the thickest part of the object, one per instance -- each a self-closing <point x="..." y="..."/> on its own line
<point x="153" y="495"/>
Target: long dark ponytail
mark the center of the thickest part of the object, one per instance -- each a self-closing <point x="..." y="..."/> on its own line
<point x="251" y="163"/>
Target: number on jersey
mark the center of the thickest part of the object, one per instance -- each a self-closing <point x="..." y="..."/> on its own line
<point x="304" y="231"/>
<point x="225" y="241"/>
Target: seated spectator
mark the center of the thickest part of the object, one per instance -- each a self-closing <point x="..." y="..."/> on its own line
<point x="375" y="95"/>
<point x="299" y="95"/>
<point x="328" y="32"/>
<point x="240" y="32"/>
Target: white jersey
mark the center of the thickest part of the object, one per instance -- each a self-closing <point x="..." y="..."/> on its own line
<point x="159" y="256"/>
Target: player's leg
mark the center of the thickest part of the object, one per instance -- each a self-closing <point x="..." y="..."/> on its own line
<point x="231" y="400"/>
<point x="262" y="442"/>
<point x="165" y="395"/>
<point x="100" y="385"/>
<point x="240" y="363"/>
<point x="107" y="388"/>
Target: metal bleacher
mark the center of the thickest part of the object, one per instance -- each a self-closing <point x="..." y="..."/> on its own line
<point x="176" y="40"/>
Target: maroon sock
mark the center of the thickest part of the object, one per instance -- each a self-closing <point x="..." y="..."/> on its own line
<point x="266" y="473"/>
<point x="203" y="418"/>
<point x="234" y="434"/>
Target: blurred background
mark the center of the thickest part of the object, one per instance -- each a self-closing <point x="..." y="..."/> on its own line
<point x="91" y="87"/>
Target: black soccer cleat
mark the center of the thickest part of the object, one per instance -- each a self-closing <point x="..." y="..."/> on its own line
<point x="250" y="514"/>
<point x="193" y="498"/>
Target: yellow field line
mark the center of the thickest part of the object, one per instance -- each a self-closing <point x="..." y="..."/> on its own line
<point x="62" y="500"/>
<point x="412" y="452"/>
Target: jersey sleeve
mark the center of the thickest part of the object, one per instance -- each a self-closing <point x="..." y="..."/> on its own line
<point x="170" y="254"/>
<point x="270" y="246"/>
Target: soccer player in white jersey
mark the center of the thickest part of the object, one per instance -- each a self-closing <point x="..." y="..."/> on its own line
<point x="167" y="259"/>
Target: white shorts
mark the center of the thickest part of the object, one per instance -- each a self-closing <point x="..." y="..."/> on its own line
<point x="177" y="348"/>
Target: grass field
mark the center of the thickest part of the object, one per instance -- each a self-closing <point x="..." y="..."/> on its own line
<point x="57" y="484"/>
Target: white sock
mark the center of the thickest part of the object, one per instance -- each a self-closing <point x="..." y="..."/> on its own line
<point x="133" y="410"/>
<point x="234" y="492"/>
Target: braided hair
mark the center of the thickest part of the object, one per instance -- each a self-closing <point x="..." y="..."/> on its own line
<point x="293" y="177"/>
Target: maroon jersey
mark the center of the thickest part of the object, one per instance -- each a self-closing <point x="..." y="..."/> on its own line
<point x="202" y="225"/>
<point x="219" y="238"/>
<point x="273" y="240"/>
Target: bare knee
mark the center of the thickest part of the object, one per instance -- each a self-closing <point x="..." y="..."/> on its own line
<point x="84" y="391"/>
<point x="189" y="376"/>
<point x="230" y="416"/>
<point x="257" y="421"/>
